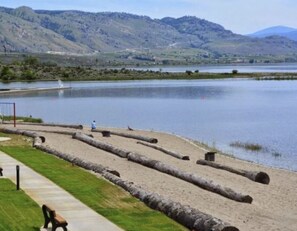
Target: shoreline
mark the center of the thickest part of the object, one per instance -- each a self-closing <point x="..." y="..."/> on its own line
<point x="29" y="90"/>
<point x="276" y="201"/>
<point x="201" y="146"/>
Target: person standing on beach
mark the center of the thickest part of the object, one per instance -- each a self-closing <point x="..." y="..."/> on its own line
<point x="93" y="125"/>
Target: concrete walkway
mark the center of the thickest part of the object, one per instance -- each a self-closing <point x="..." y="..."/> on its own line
<point x="43" y="191"/>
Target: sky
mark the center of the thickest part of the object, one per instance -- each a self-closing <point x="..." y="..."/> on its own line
<point x="240" y="16"/>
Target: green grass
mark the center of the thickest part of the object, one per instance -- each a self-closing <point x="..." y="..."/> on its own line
<point x="24" y="119"/>
<point x="17" y="211"/>
<point x="105" y="198"/>
<point x="247" y="146"/>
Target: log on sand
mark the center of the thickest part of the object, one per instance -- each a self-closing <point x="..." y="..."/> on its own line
<point x="189" y="177"/>
<point x="98" y="168"/>
<point x="185" y="215"/>
<point x="69" y="133"/>
<point x="49" y="125"/>
<point x="260" y="177"/>
<point x="132" y="136"/>
<point x="25" y="133"/>
<point x="166" y="151"/>
<point x="165" y="168"/>
<point x="189" y="217"/>
<point x="101" y="145"/>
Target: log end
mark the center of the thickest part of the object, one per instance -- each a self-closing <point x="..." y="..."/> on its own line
<point x="247" y="199"/>
<point x="154" y="141"/>
<point x="42" y="139"/>
<point x="262" y="177"/>
<point x="185" y="158"/>
<point x="200" y="162"/>
<point x="230" y="228"/>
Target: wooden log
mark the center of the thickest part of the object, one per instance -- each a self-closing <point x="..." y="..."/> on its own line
<point x="260" y="177"/>
<point x="105" y="133"/>
<point x="166" y="151"/>
<point x="50" y="125"/>
<point x="189" y="177"/>
<point x="98" y="168"/>
<point x="53" y="131"/>
<point x="33" y="135"/>
<point x="132" y="136"/>
<point x="189" y="217"/>
<point x="37" y="141"/>
<point x="11" y="131"/>
<point x="22" y="132"/>
<point x="101" y="145"/>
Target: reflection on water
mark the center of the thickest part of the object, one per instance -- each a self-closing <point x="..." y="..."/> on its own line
<point x="215" y="112"/>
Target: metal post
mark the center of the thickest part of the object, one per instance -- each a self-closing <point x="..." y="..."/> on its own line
<point x="14" y="119"/>
<point x="18" y="177"/>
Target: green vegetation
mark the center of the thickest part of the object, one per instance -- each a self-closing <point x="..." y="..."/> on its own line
<point x="24" y="119"/>
<point x="17" y="211"/>
<point x="248" y="146"/>
<point x="32" y="69"/>
<point x="102" y="196"/>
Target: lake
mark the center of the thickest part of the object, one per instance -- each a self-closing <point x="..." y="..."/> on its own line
<point x="216" y="112"/>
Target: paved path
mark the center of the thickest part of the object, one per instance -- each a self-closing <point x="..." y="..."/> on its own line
<point x="43" y="191"/>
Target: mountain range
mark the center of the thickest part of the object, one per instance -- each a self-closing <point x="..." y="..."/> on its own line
<point x="283" y="31"/>
<point x="26" y="30"/>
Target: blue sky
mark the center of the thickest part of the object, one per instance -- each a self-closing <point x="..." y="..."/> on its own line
<point x="240" y="16"/>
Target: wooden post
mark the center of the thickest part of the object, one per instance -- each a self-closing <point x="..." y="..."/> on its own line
<point x="210" y="156"/>
<point x="18" y="177"/>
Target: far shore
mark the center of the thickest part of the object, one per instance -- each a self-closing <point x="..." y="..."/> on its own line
<point x="28" y="90"/>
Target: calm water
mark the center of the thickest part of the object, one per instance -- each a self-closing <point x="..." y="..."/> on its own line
<point x="216" y="112"/>
<point x="256" y="68"/>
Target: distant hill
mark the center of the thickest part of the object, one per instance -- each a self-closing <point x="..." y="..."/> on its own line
<point x="27" y="30"/>
<point x="288" y="32"/>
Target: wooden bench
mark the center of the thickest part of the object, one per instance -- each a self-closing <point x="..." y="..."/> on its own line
<point x="1" y="170"/>
<point x="50" y="215"/>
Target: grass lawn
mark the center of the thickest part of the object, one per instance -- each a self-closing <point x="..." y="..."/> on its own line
<point x="105" y="198"/>
<point x="17" y="211"/>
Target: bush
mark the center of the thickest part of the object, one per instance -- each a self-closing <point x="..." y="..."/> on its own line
<point x="188" y="72"/>
<point x="234" y="72"/>
<point x="29" y="75"/>
<point x="31" y="61"/>
<point x="7" y="73"/>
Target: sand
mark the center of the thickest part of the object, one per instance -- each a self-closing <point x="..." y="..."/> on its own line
<point x="274" y="206"/>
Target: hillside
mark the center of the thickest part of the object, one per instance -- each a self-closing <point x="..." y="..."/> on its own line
<point x="283" y="31"/>
<point x="40" y="31"/>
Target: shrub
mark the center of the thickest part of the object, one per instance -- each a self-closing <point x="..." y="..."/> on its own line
<point x="7" y="74"/>
<point x="188" y="72"/>
<point x="234" y="72"/>
<point x="31" y="61"/>
<point x="29" y="75"/>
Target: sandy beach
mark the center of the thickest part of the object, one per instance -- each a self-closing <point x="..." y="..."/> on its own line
<point x="274" y="206"/>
